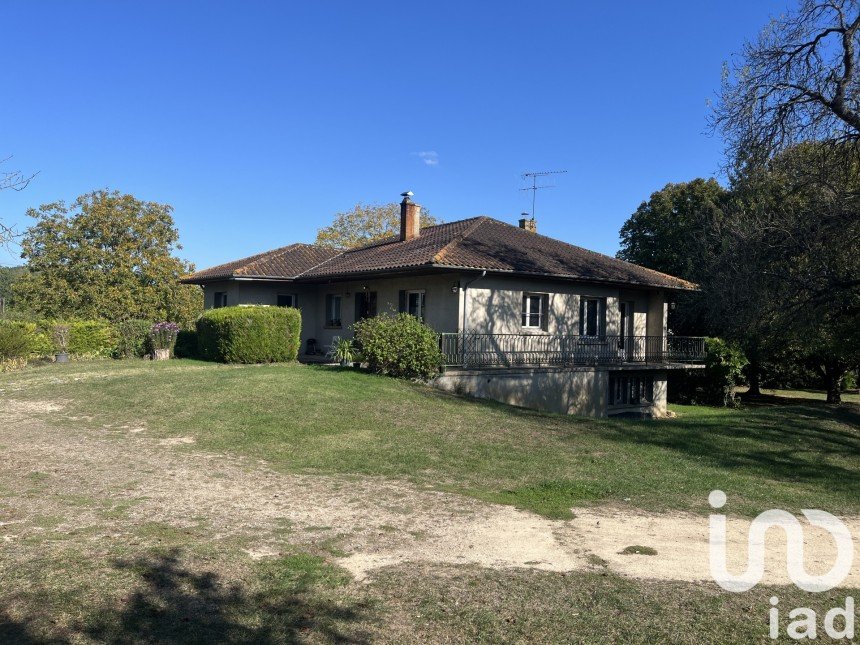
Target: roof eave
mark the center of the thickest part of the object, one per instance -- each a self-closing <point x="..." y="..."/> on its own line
<point x="235" y="278"/>
<point x="568" y="277"/>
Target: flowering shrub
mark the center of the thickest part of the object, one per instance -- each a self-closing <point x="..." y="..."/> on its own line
<point x="162" y="335"/>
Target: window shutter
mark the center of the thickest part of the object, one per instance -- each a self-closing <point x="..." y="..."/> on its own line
<point x="581" y="316"/>
<point x="359" y="305"/>
<point x="544" y="321"/>
<point x="401" y="305"/>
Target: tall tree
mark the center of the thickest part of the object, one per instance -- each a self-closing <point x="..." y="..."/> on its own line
<point x="668" y="232"/>
<point x="798" y="82"/>
<point x="109" y="256"/>
<point x="671" y="233"/>
<point x="788" y="272"/>
<point x="365" y="224"/>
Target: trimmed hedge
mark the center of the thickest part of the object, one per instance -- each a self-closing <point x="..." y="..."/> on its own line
<point x="92" y="338"/>
<point x="87" y="338"/>
<point x="401" y="346"/>
<point x="186" y="344"/>
<point x="256" y="334"/>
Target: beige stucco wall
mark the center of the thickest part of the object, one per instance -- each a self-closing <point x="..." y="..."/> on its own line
<point x="241" y="292"/>
<point x="441" y="304"/>
<point x="493" y="305"/>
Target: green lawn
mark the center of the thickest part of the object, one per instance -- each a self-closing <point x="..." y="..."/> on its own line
<point x="80" y="566"/>
<point x="321" y="419"/>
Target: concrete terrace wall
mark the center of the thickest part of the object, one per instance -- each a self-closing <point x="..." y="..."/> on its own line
<point x="581" y="391"/>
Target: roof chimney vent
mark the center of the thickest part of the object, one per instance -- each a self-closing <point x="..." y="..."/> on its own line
<point x="528" y="224"/>
<point x="410" y="218"/>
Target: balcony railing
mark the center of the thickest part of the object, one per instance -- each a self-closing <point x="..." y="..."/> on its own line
<point x="514" y="350"/>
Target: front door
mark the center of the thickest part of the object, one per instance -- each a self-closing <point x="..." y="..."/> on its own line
<point x="627" y="341"/>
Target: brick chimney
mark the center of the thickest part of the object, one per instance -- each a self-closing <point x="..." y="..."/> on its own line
<point x="410" y="218"/>
<point x="528" y="223"/>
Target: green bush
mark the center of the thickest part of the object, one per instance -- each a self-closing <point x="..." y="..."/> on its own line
<point x="14" y="342"/>
<point x="249" y="334"/>
<point x="186" y="344"/>
<point x="87" y="338"/>
<point x="715" y="384"/>
<point x="39" y="340"/>
<point x="133" y="338"/>
<point x="401" y="346"/>
<point x="92" y="338"/>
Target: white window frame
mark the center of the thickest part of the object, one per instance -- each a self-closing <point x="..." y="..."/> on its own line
<point x="527" y="313"/>
<point x="420" y="293"/>
<point x="294" y="299"/>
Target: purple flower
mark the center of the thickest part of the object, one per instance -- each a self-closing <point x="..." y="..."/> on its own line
<point x="163" y="334"/>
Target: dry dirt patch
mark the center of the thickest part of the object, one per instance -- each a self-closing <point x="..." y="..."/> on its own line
<point x="72" y="474"/>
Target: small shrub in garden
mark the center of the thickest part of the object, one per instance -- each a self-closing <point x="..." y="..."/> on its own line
<point x="256" y="334"/>
<point x="14" y="347"/>
<point x="724" y="366"/>
<point x="60" y="334"/>
<point x="401" y="346"/>
<point x="133" y="338"/>
<point x="715" y="384"/>
<point x="38" y="340"/>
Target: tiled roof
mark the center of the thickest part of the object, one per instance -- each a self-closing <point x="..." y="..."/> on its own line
<point x="480" y="243"/>
<point x="283" y="263"/>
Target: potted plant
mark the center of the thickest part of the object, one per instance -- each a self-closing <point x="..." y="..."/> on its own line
<point x="344" y="351"/>
<point x="61" y="342"/>
<point x="162" y="336"/>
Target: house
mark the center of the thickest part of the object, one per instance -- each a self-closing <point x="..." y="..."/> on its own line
<point x="523" y="318"/>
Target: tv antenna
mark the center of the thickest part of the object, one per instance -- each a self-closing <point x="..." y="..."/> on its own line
<point x="534" y="187"/>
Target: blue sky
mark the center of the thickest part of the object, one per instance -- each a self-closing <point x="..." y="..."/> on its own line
<point x="258" y="121"/>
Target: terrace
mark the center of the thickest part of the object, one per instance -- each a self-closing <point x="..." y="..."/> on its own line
<point x="475" y="350"/>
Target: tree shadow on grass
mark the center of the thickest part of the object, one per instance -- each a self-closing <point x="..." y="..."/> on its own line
<point x="176" y="605"/>
<point x="792" y="443"/>
<point x="809" y="443"/>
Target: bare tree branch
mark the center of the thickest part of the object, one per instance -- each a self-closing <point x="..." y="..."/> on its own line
<point x="17" y="181"/>
<point x="798" y="82"/>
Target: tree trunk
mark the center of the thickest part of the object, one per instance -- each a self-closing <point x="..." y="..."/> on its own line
<point x="754" y="378"/>
<point x="833" y="376"/>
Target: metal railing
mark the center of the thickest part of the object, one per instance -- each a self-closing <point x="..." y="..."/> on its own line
<point x="512" y="350"/>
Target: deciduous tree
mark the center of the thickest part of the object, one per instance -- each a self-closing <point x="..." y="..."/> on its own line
<point x="788" y="271"/>
<point x="108" y="255"/>
<point x="364" y="224"/>
<point x="798" y="82"/>
<point x="671" y="233"/>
